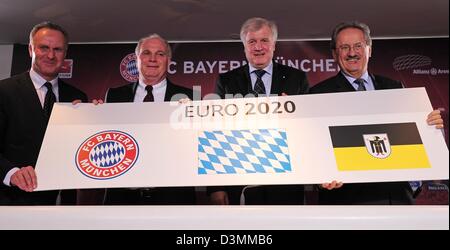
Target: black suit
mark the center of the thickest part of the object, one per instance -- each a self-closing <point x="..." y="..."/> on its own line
<point x="363" y="193"/>
<point x="22" y="127"/>
<point x="339" y="83"/>
<point x="126" y="93"/>
<point x="284" y="80"/>
<point x="153" y="196"/>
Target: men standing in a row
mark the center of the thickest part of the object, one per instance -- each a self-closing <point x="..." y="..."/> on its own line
<point x="26" y="101"/>
<point x="153" y="58"/>
<point x="351" y="46"/>
<point x="260" y="77"/>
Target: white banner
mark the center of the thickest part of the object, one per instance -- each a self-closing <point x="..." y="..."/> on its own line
<point x="369" y="136"/>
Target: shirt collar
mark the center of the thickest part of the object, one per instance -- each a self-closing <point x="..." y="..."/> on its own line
<point x="159" y="85"/>
<point x="39" y="81"/>
<point x="268" y="69"/>
<point x="351" y="79"/>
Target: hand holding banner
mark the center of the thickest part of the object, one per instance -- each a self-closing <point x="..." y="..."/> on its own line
<point x="252" y="141"/>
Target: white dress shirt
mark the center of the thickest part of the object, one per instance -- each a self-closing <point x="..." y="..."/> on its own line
<point x="159" y="91"/>
<point x="266" y="78"/>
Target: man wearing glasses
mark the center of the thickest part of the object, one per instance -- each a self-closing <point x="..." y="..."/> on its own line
<point x="351" y="46"/>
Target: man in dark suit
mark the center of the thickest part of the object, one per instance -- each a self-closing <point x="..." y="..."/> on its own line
<point x="260" y="77"/>
<point x="26" y="101"/>
<point x="351" y="47"/>
<point x="153" y="57"/>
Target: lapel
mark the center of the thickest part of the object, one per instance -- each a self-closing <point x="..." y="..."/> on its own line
<point x="127" y="94"/>
<point x="132" y="92"/>
<point x="277" y="79"/>
<point x="169" y="90"/>
<point x="244" y="82"/>
<point x="342" y="84"/>
<point x="375" y="83"/>
<point x="30" y="99"/>
<point x="62" y="92"/>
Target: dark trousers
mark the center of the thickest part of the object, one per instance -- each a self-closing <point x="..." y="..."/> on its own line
<point x="15" y="197"/>
<point x="151" y="196"/>
<point x="383" y="193"/>
<point x="263" y="195"/>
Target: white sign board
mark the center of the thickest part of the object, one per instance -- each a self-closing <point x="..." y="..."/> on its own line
<point x="370" y="136"/>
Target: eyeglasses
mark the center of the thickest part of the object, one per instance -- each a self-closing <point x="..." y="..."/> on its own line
<point x="357" y="47"/>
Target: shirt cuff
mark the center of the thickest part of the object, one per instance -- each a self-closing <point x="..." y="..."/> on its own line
<point x="7" y="180"/>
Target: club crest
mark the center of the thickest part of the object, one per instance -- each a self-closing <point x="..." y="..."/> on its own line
<point x="107" y="154"/>
<point x="128" y="68"/>
<point x="377" y="145"/>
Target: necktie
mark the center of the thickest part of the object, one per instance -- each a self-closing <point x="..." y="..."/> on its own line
<point x="259" y="84"/>
<point x="50" y="99"/>
<point x="149" y="97"/>
<point x="360" y="83"/>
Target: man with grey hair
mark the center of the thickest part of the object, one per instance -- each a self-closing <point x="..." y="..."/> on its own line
<point x="351" y="46"/>
<point x="260" y="77"/>
<point x="153" y="55"/>
<point x="26" y="101"/>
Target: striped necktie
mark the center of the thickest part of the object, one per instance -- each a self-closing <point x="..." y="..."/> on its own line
<point x="259" y="84"/>
<point x="360" y="83"/>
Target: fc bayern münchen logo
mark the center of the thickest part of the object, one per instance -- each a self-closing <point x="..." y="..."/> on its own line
<point x="107" y="154"/>
<point x="128" y="68"/>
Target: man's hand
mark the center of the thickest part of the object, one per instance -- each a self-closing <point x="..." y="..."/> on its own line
<point x="75" y="102"/>
<point x="332" y="185"/>
<point x="25" y="179"/>
<point x="184" y="100"/>
<point x="219" y="198"/>
<point x="97" y="102"/>
<point x="434" y="118"/>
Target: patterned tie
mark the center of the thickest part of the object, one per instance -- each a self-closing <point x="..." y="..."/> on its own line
<point x="259" y="84"/>
<point x="149" y="97"/>
<point x="360" y="83"/>
<point x="50" y="99"/>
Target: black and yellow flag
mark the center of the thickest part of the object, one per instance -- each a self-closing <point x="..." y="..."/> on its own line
<point x="378" y="146"/>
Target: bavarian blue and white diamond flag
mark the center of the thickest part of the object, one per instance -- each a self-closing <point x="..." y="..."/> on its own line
<point x="243" y="151"/>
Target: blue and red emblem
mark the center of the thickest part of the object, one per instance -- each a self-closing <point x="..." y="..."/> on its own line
<point x="107" y="154"/>
<point x="128" y="68"/>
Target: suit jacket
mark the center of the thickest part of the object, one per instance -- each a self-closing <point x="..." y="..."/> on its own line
<point x="363" y="193"/>
<point x="22" y="127"/>
<point x="157" y="196"/>
<point x="126" y="93"/>
<point x="284" y="80"/>
<point x="238" y="82"/>
<point x="339" y="83"/>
